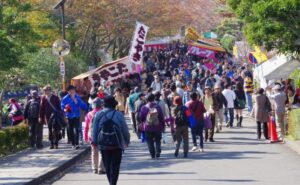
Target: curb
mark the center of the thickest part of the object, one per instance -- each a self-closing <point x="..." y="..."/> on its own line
<point x="59" y="169"/>
<point x="294" y="145"/>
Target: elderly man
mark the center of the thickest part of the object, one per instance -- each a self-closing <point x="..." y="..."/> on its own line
<point x="279" y="99"/>
<point x="49" y="104"/>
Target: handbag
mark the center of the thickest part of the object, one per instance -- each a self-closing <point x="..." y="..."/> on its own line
<point x="241" y="103"/>
<point x="58" y="115"/>
<point x="268" y="107"/>
<point x="207" y="122"/>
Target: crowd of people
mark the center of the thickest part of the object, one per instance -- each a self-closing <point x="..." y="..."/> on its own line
<point x="188" y="94"/>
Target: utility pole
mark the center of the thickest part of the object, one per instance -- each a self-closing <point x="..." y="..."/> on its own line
<point x="61" y="4"/>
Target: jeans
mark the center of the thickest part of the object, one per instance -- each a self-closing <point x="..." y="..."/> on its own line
<point x="231" y="116"/>
<point x="73" y="125"/>
<point x="198" y="131"/>
<point x="154" y="142"/>
<point x="182" y="133"/>
<point x="35" y="133"/>
<point x="249" y="101"/>
<point x="112" y="162"/>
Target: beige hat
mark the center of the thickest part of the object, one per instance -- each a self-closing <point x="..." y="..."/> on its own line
<point x="217" y="86"/>
<point x="47" y="87"/>
<point x="101" y="88"/>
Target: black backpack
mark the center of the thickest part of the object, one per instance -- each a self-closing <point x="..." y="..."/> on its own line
<point x="181" y="119"/>
<point x="109" y="135"/>
<point x="34" y="108"/>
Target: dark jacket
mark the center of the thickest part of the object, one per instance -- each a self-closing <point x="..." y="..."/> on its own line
<point x="221" y="100"/>
<point x="46" y="110"/>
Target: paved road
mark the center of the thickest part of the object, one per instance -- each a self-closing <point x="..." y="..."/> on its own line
<point x="235" y="158"/>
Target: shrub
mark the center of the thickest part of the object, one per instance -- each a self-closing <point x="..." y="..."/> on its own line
<point x="13" y="139"/>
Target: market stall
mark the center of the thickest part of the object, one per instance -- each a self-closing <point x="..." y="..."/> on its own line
<point x="106" y="73"/>
<point x="277" y="68"/>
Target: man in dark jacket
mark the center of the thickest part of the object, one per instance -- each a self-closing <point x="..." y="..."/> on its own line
<point x="49" y="104"/>
<point x="219" y="111"/>
<point x="31" y="115"/>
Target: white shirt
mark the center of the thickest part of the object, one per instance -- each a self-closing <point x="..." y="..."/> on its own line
<point x="230" y="97"/>
<point x="180" y="92"/>
<point x="218" y="78"/>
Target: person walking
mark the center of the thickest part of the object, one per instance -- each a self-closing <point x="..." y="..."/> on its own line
<point x="196" y="107"/>
<point x="181" y="127"/>
<point x="138" y="106"/>
<point x="222" y="102"/>
<point x="120" y="99"/>
<point x="15" y="112"/>
<point x="31" y="115"/>
<point x="71" y="104"/>
<point x="157" y="84"/>
<point x="239" y="103"/>
<point x="164" y="108"/>
<point x="248" y="88"/>
<point x="49" y="104"/>
<point x="131" y="104"/>
<point x="279" y="98"/>
<point x="230" y="97"/>
<point x="187" y="92"/>
<point x="111" y="136"/>
<point x="262" y="109"/>
<point x="153" y="125"/>
<point x="210" y="104"/>
<point x="97" y="162"/>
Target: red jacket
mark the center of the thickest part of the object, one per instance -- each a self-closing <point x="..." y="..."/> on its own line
<point x="196" y="107"/>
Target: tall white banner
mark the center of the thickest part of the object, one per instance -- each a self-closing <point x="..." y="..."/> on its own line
<point x="138" y="43"/>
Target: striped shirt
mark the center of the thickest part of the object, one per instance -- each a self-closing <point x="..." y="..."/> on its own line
<point x="248" y="85"/>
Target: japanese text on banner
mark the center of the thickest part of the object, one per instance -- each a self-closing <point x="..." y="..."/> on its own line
<point x="138" y="43"/>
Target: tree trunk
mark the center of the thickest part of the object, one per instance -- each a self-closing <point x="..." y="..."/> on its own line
<point x="1" y="100"/>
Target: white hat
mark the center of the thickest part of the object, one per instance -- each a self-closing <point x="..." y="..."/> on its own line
<point x="277" y="87"/>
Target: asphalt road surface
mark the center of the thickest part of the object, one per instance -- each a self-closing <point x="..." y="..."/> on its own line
<point x="235" y="158"/>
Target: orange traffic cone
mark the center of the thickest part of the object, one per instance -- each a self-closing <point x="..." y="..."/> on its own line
<point x="272" y="131"/>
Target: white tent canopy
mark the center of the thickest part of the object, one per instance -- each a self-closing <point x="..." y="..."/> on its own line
<point x="277" y="68"/>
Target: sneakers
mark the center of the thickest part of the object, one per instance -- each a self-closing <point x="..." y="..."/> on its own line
<point x="55" y="146"/>
<point x="95" y="171"/>
<point x="194" y="148"/>
<point x="76" y="147"/>
<point x="51" y="147"/>
<point x="201" y="150"/>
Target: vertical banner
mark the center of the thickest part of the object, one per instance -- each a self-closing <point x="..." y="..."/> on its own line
<point x="138" y="44"/>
